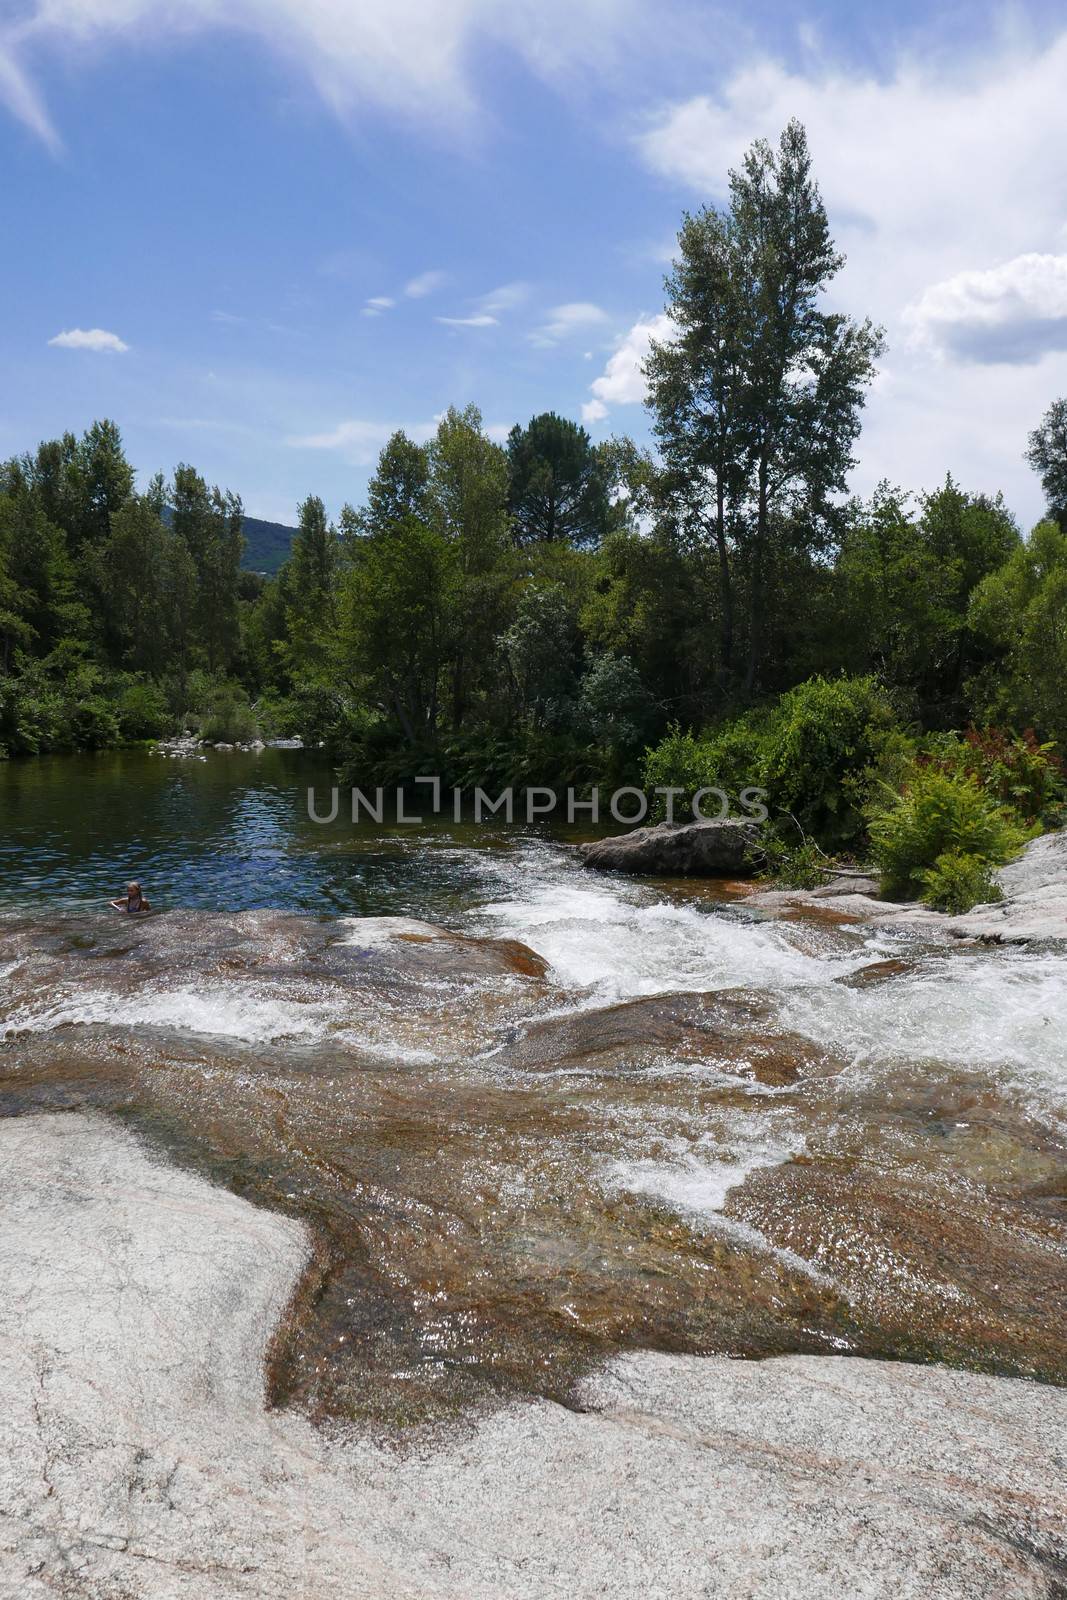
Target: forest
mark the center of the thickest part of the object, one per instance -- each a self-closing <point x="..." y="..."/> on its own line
<point x="714" y="609"/>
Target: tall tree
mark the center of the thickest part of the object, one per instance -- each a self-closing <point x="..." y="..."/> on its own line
<point x="399" y="486"/>
<point x="467" y="507"/>
<point x="209" y="521"/>
<point x="1047" y="454"/>
<point x="757" y="399"/>
<point x="557" y="488"/>
<point x="309" y="585"/>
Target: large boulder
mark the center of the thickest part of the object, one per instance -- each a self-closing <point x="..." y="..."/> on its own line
<point x="679" y="850"/>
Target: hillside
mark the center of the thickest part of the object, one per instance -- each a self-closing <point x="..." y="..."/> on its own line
<point x="266" y="545"/>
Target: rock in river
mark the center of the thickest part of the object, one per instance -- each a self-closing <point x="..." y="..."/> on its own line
<point x="679" y="849"/>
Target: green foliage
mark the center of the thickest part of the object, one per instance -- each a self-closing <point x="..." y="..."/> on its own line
<point x="557" y="483"/>
<point x="731" y="757"/>
<point x="790" y="860"/>
<point x="225" y="716"/>
<point x="142" y="709"/>
<point x="938" y="814"/>
<point x="957" y="881"/>
<point x="1047" y="454"/>
<point x="821" y="745"/>
<point x="1020" y="612"/>
<point x="1021" y="774"/>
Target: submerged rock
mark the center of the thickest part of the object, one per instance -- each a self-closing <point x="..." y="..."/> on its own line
<point x="678" y="850"/>
<point x="138" y="1458"/>
<point x="731" y="1028"/>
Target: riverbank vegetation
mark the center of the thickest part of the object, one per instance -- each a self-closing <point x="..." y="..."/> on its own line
<point x="714" y="610"/>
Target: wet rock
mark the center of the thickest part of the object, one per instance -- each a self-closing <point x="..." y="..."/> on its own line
<point x="678" y="850"/>
<point x="878" y="972"/>
<point x="1033" y="910"/>
<point x="138" y="1459"/>
<point x="837" y="887"/>
<point x="730" y="1027"/>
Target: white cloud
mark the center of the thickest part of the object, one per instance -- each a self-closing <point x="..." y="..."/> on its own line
<point x="411" y="57"/>
<point x="426" y="282"/>
<point x="481" y="319"/>
<point x="1014" y="313"/>
<point x="507" y="298"/>
<point x="932" y="177"/>
<point x="359" y="441"/>
<point x="90" y="339"/>
<point x="575" y="317"/>
<point x="21" y="98"/>
<point x="622" y="383"/>
<point x="377" y="303"/>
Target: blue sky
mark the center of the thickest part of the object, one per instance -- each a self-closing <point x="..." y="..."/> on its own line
<point x="261" y="234"/>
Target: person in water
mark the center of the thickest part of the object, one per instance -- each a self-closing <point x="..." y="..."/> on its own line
<point x="134" y="902"/>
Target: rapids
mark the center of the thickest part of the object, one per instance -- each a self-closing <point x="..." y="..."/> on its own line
<point x="586" y="1115"/>
<point x="536" y="1116"/>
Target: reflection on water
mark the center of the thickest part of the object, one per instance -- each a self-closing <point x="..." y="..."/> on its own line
<point x="595" y="1114"/>
<point x="224" y="831"/>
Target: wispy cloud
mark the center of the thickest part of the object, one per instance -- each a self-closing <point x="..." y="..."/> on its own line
<point x="480" y="319"/>
<point x="377" y="304"/>
<point x="358" y="440"/>
<point x="22" y="100"/>
<point x="426" y="283"/>
<point x="410" y="57"/>
<point x="90" y="339"/>
<point x="508" y="297"/>
<point x="577" y="316"/>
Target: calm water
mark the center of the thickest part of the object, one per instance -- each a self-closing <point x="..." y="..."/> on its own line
<point x="227" y="831"/>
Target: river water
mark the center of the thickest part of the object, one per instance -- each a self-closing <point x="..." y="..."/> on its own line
<point x="533" y="1116"/>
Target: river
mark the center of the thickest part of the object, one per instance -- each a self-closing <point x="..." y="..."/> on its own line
<point x="574" y="1115"/>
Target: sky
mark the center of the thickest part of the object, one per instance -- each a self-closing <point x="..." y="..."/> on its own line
<point x="263" y="234"/>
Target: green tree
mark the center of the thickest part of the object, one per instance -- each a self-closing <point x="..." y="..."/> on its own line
<point x="904" y="585"/>
<point x="393" y="624"/>
<point x="309" y="586"/>
<point x="757" y="398"/>
<point x="209" y="522"/>
<point x="467" y="508"/>
<point x="1047" y="454"/>
<point x="399" y="487"/>
<point x="1021" y="613"/>
<point x="557" y="483"/>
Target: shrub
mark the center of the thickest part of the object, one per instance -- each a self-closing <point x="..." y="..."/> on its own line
<point x="143" y="712"/>
<point x="730" y="757"/>
<point x="1017" y="770"/>
<point x="825" y="739"/>
<point x="938" y="814"/>
<point x="229" y="718"/>
<point x="792" y="864"/>
<point x="957" y="881"/>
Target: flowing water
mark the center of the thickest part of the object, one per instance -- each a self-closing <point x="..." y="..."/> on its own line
<point x="531" y="1115"/>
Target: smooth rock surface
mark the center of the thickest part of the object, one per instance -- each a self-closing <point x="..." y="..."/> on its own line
<point x="1033" y="910"/>
<point x="137" y="1460"/>
<point x="678" y="850"/>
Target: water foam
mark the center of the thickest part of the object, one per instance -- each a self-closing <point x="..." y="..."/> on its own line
<point x="619" y="941"/>
<point x="695" y="1178"/>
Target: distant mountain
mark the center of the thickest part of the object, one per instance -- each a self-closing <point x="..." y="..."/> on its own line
<point x="267" y="544"/>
